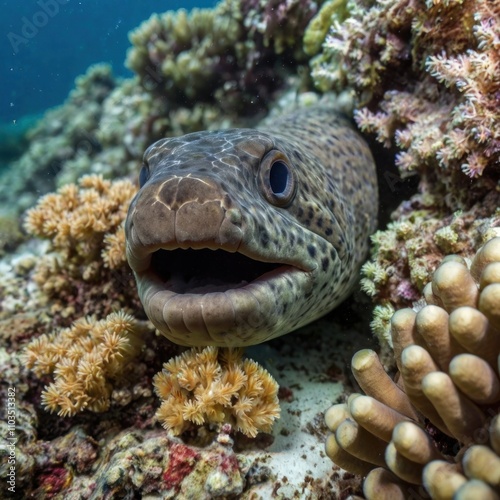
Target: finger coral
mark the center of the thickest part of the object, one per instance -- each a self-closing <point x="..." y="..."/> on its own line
<point x="436" y="424"/>
<point x="86" y="360"/>
<point x="216" y="386"/>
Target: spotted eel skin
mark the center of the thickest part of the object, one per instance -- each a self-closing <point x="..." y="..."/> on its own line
<point x="238" y="236"/>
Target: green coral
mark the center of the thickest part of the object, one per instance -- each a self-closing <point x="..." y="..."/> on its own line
<point x="314" y="36"/>
<point x="180" y="51"/>
<point x="235" y="56"/>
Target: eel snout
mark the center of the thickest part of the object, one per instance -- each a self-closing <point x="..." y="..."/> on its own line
<point x="198" y="281"/>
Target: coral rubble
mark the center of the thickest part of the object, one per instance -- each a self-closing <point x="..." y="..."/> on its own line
<point x="437" y="421"/>
<point x="216" y="386"/>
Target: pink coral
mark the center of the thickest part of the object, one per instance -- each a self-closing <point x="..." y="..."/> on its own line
<point x="181" y="463"/>
<point x="427" y="79"/>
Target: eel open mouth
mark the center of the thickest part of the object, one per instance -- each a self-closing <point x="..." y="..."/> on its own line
<point x="205" y="271"/>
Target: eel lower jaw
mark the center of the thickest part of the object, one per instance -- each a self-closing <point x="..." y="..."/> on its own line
<point x="213" y="297"/>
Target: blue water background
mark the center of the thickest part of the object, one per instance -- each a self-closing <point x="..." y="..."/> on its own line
<point x="38" y="65"/>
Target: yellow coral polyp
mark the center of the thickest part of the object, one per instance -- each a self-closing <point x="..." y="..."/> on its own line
<point x="216" y="386"/>
<point x="85" y="220"/>
<point x="85" y="360"/>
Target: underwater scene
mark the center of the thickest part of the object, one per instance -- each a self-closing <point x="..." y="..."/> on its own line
<point x="250" y="249"/>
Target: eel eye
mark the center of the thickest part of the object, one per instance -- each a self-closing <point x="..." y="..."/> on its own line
<point x="277" y="179"/>
<point x="143" y="175"/>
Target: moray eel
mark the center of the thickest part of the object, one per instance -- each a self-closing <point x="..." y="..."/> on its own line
<point x="238" y="236"/>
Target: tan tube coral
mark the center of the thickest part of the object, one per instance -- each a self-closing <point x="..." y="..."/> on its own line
<point x="461" y="416"/>
<point x="470" y="328"/>
<point x="360" y="443"/>
<point x="375" y="417"/>
<point x="490" y="274"/>
<point x="335" y="415"/>
<point x="429" y="297"/>
<point x="475" y="378"/>
<point x="481" y="462"/>
<point x="414" y="443"/>
<point x="489" y="252"/>
<point x="442" y="479"/>
<point x="453" y="284"/>
<point x="432" y="324"/>
<point x="405" y="469"/>
<point x="488" y="304"/>
<point x="495" y="434"/>
<point x="373" y="379"/>
<point x="416" y="362"/>
<point x="475" y="490"/>
<point x="344" y="459"/>
<point x="402" y="331"/>
<point x="381" y="484"/>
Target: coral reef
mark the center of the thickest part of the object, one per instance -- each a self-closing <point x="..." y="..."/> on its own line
<point x="232" y="56"/>
<point x="213" y="68"/>
<point x="424" y="81"/>
<point x="407" y="251"/>
<point x="85" y="360"/>
<point x="216" y="386"/>
<point x="425" y="74"/>
<point x="72" y="278"/>
<point x="124" y="451"/>
<point x="436" y="424"/>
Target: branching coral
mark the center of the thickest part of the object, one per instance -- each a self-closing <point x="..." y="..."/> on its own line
<point x="216" y="386"/>
<point x="437" y="423"/>
<point x="232" y="56"/>
<point x="85" y="359"/>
